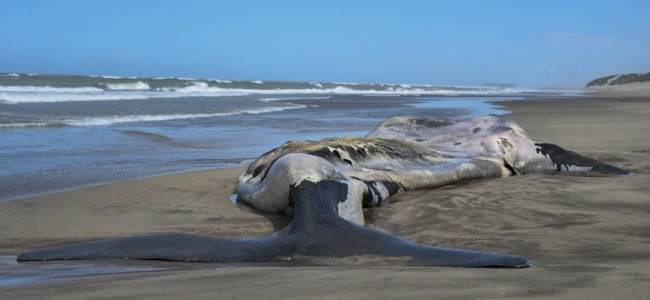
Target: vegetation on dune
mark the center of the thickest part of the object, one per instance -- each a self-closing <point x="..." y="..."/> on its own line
<point x="600" y="81"/>
<point x="630" y="78"/>
<point x="622" y="79"/>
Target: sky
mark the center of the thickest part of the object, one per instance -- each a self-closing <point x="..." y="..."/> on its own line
<point x="531" y="43"/>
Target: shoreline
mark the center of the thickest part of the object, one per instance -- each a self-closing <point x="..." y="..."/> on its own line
<point x="125" y="151"/>
<point x="85" y="186"/>
<point x="586" y="236"/>
<point x="39" y="188"/>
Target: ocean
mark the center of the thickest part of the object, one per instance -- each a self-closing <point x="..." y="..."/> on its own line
<point x="60" y="132"/>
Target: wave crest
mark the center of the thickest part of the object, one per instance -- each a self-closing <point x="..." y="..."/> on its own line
<point x="22" y="88"/>
<point x="120" y="119"/>
<point x="138" y="85"/>
<point x="40" y="94"/>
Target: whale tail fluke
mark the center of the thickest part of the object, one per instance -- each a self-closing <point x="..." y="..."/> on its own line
<point x="168" y="246"/>
<point x="316" y="230"/>
<point x="322" y="233"/>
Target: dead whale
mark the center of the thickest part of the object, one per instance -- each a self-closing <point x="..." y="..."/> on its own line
<point x="326" y="184"/>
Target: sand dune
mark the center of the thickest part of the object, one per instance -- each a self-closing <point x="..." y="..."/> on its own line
<point x="631" y="89"/>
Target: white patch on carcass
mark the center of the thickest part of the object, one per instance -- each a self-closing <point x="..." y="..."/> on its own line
<point x="352" y="208"/>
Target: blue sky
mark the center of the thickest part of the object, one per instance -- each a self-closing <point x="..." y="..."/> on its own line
<point x="530" y="43"/>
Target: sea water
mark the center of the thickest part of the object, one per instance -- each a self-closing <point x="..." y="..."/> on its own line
<point x="62" y="132"/>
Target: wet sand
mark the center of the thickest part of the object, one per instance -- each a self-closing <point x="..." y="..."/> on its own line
<point x="587" y="237"/>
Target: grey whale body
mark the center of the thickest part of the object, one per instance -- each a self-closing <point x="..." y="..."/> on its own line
<point x="326" y="184"/>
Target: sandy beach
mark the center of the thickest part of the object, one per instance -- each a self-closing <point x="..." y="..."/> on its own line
<point x="587" y="237"/>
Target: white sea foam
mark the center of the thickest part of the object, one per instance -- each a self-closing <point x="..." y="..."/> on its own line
<point x="113" y="77"/>
<point x="110" y="120"/>
<point x="198" y="88"/>
<point x="28" y="94"/>
<point x="138" y="85"/>
<point x="41" y="98"/>
<point x="202" y="87"/>
<point x="48" y="89"/>
<point x="271" y="99"/>
<point x="25" y="125"/>
<point x="31" y="94"/>
<point x="197" y="79"/>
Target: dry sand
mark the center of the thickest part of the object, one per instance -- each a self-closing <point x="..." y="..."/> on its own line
<point x="636" y="89"/>
<point x="588" y="237"/>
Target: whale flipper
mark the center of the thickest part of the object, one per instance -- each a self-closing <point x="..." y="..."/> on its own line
<point x="316" y="230"/>
<point x="565" y="158"/>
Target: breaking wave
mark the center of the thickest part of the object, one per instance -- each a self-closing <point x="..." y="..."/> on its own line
<point x="119" y="119"/>
<point x="31" y="94"/>
<point x="25" y="88"/>
<point x="138" y="85"/>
